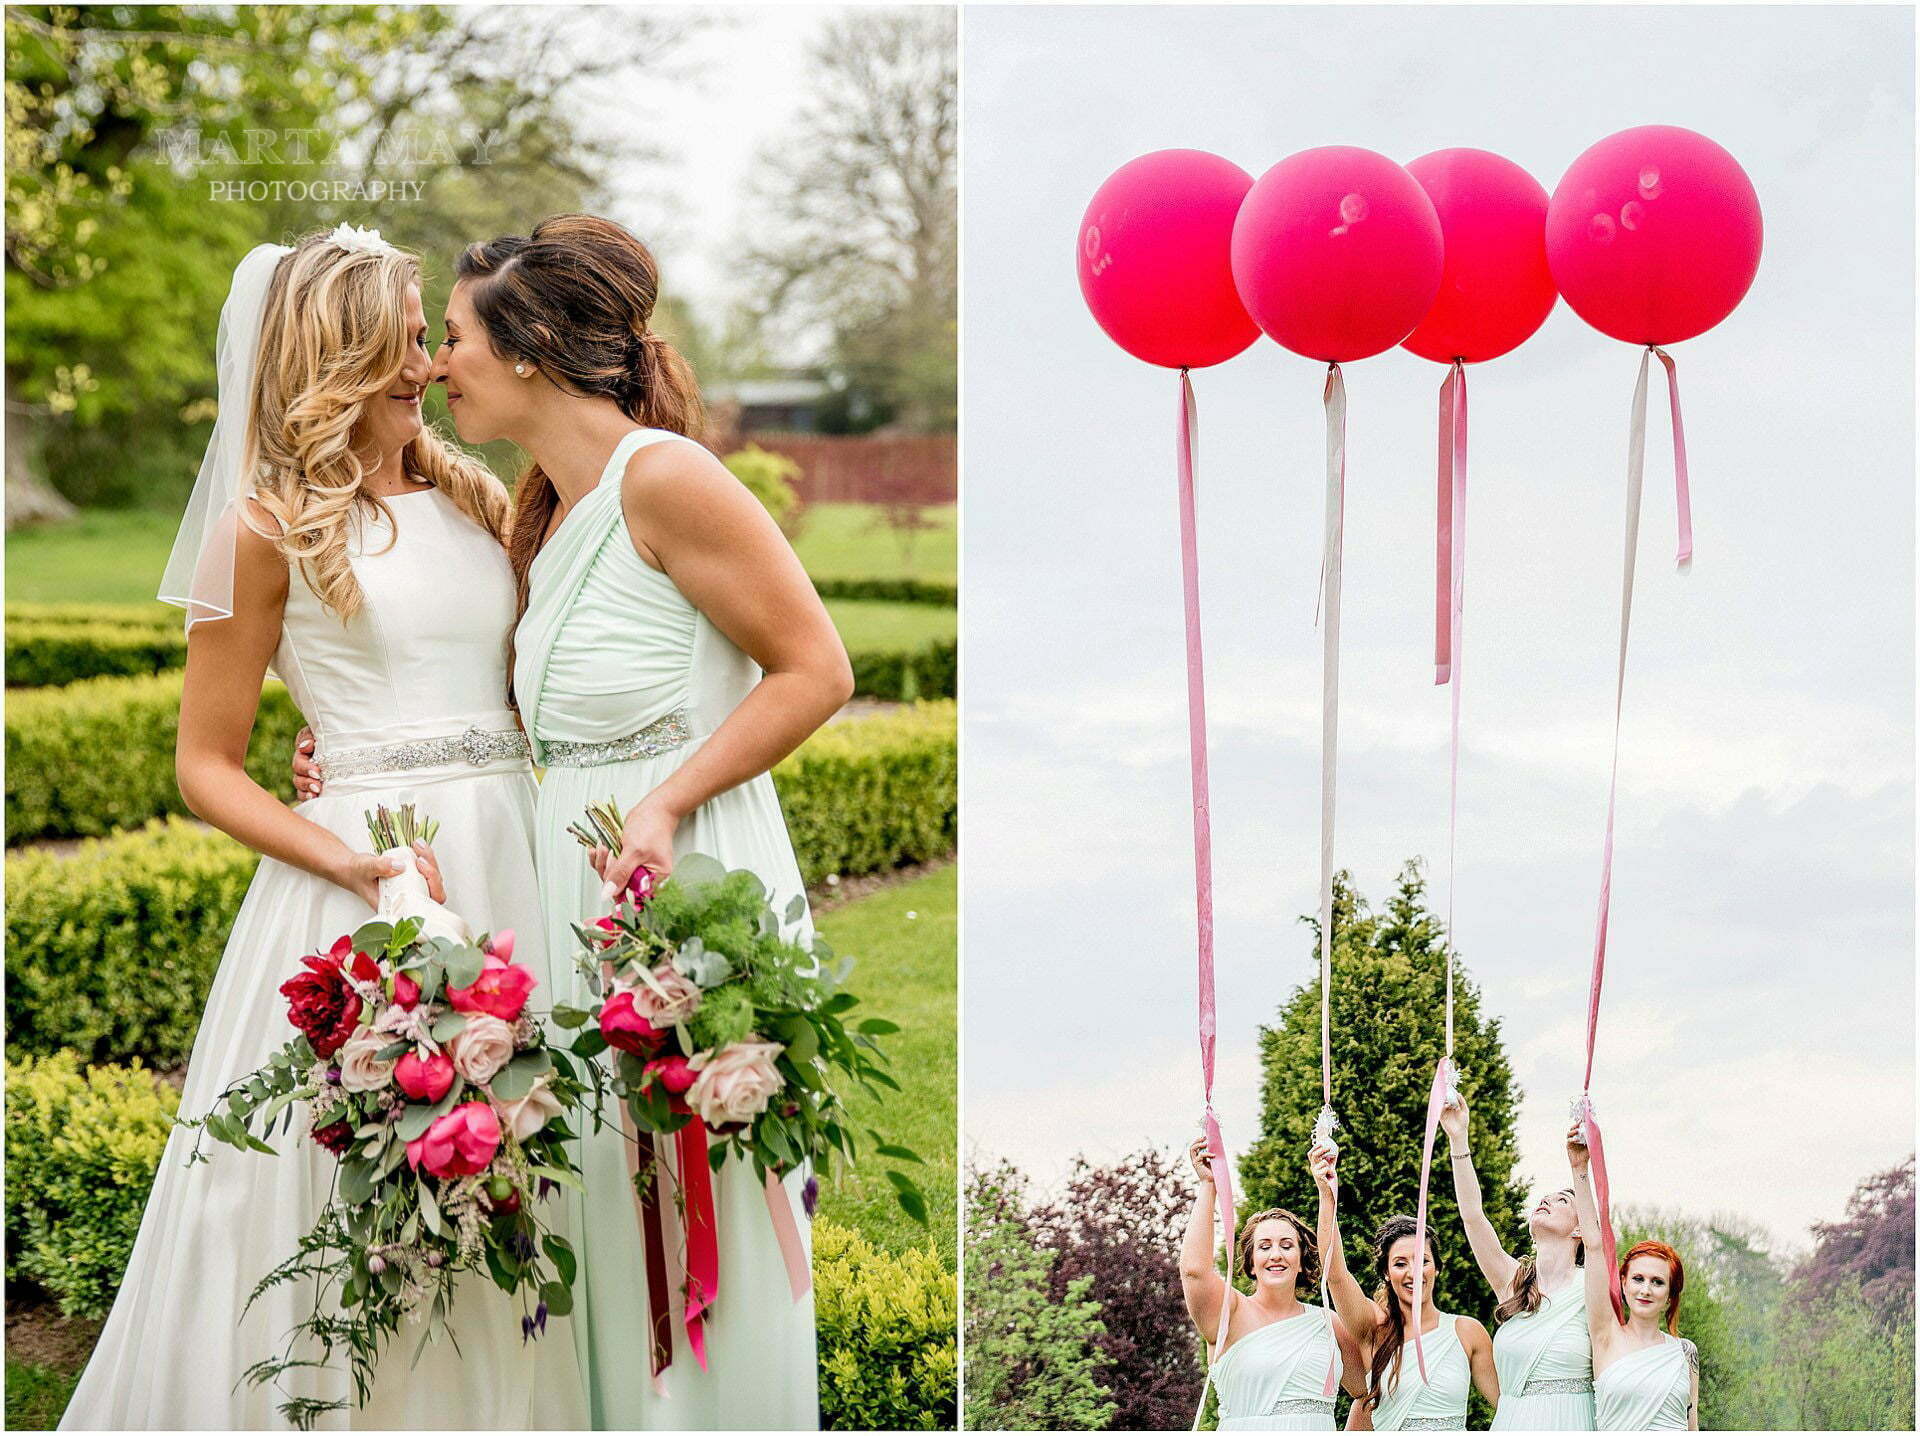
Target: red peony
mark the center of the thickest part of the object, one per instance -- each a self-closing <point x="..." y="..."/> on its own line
<point x="320" y="1001"/>
<point x="501" y="990"/>
<point x="336" y="1137"/>
<point x="627" y="1029"/>
<point x="674" y="1073"/>
<point x="425" y="1079"/>
<point x="406" y="992"/>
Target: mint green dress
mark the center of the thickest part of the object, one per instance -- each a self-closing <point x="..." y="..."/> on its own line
<point x="619" y="679"/>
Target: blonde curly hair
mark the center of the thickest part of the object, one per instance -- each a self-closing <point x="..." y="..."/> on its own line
<point x="333" y="337"/>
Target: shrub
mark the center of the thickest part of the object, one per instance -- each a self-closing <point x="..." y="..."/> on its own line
<point x="896" y="590"/>
<point x="769" y="478"/>
<point x="888" y="1357"/>
<point x="97" y="756"/>
<point x="155" y="616"/>
<point x="860" y="796"/>
<point x="907" y="674"/>
<point x="82" y="1148"/>
<point x="874" y="793"/>
<point x="46" y="655"/>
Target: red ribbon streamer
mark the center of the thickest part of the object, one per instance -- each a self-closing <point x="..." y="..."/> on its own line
<point x="653" y="1242"/>
<point x="703" y="1237"/>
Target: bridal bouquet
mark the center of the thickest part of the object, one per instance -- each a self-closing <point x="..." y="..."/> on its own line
<point x="730" y="1038"/>
<point x="419" y="1067"/>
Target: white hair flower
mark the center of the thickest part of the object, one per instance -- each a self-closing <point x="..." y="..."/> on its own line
<point x="353" y="237"/>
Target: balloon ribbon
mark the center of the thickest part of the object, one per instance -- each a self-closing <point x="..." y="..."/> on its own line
<point x="1636" y="469"/>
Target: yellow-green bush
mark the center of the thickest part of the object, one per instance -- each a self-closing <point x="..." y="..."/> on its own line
<point x="97" y="756"/>
<point x="82" y="1148"/>
<point x="888" y="1353"/>
<point x="873" y="794"/>
<point x="769" y="478"/>
<point x="861" y="796"/>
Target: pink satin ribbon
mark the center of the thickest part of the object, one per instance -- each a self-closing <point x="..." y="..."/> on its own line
<point x="1636" y="474"/>
<point x="703" y="1236"/>
<point x="786" y="1234"/>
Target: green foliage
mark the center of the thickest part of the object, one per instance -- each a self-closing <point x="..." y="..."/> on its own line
<point x="877" y="793"/>
<point x="893" y="590"/>
<point x="96" y="756"/>
<point x="1389" y="983"/>
<point x="82" y="1148"/>
<point x="885" y="1324"/>
<point x="769" y="477"/>
<point x="860" y="796"/>
<point x="1834" y="1365"/>
<point x="46" y="655"/>
<point x="37" y="1394"/>
<point x="1031" y="1359"/>
<point x="929" y="672"/>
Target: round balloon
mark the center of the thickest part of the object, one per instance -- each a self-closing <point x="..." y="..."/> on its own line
<point x="1654" y="235"/>
<point x="1495" y="288"/>
<point x="1153" y="258"/>
<point x="1337" y="253"/>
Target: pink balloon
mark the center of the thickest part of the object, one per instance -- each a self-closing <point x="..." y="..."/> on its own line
<point x="1496" y="288"/>
<point x="1337" y="253"/>
<point x="1654" y="235"/>
<point x="1153" y="258"/>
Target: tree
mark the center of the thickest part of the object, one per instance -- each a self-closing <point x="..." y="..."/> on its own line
<point x="861" y="208"/>
<point x="1389" y="983"/>
<point x="1031" y="1363"/>
<point x="1872" y="1247"/>
<point x="1120" y="1228"/>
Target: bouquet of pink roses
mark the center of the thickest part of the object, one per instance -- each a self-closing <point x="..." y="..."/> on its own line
<point x="730" y="1038"/>
<point x="420" y="1068"/>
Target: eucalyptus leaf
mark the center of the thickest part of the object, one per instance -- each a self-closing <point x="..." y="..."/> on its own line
<point x="569" y="1017"/>
<point x="393" y="1051"/>
<point x="430" y="1210"/>
<point x="449" y="1025"/>
<point x="414" y="1121"/>
<point x="356" y="1182"/>
<point x="464" y="966"/>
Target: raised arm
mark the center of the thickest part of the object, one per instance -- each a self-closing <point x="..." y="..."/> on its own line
<point x="1479" y="1349"/>
<point x="695" y="522"/>
<point x="1602" y="1324"/>
<point x="1200" y="1280"/>
<point x="1496" y="1263"/>
<point x="1359" y="1317"/>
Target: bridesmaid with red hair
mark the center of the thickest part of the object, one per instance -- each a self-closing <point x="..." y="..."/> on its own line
<point x="1646" y="1376"/>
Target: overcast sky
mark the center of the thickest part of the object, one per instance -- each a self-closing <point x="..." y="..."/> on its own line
<point x="1756" y="1046"/>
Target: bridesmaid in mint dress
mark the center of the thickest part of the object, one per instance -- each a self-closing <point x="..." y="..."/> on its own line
<point x="1646" y="1376"/>
<point x="670" y="651"/>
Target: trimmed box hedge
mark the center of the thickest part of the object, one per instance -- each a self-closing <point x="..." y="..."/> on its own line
<point x="47" y="655"/>
<point x="860" y="796"/>
<point x="96" y="756"/>
<point x="886" y="1329"/>
<point x="905" y="675"/>
<point x="897" y="590"/>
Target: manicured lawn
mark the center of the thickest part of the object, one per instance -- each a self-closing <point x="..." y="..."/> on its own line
<point x="904" y="970"/>
<point x="37" y="1393"/>
<point x="866" y="624"/>
<point x="853" y="541"/>
<point x="111" y="556"/>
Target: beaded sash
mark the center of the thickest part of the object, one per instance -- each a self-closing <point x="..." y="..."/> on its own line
<point x="662" y="735"/>
<point x="1558" y="1386"/>
<point x="476" y="746"/>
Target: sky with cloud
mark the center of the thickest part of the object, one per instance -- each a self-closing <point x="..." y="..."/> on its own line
<point x="1757" y="1038"/>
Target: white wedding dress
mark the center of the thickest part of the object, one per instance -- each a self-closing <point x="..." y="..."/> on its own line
<point x="423" y="660"/>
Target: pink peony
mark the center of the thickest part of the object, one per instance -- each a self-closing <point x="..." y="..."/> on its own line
<point x="481" y="1048"/>
<point x="626" y="1028"/>
<point x="674" y="1073"/>
<point x="500" y="990"/>
<point x="406" y="992"/>
<point x="681" y="1000"/>
<point x="501" y="946"/>
<point x="425" y="1079"/>
<point x="459" y="1144"/>
<point x="736" y="1083"/>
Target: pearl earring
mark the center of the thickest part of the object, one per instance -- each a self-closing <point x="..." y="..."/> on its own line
<point x="521" y="370"/>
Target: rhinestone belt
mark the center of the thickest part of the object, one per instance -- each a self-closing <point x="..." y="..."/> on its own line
<point x="1559" y="1386"/>
<point x="476" y="746"/>
<point x="662" y="735"/>
<point x="1435" y="1423"/>
<point x="1299" y="1405"/>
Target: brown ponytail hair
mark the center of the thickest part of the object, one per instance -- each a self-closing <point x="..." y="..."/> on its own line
<point x="1387" y="1348"/>
<point x="575" y="298"/>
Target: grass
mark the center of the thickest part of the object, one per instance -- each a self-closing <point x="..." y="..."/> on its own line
<point x="905" y="971"/>
<point x="37" y="1392"/>
<point x="866" y="624"/>
<point x="117" y="556"/>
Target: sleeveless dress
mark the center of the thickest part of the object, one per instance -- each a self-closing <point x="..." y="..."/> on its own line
<point x="1545" y="1364"/>
<point x="424" y="658"/>
<point x="1438" y="1403"/>
<point x="619" y="680"/>
<point x="1647" y="1390"/>
<point x="1274" y="1379"/>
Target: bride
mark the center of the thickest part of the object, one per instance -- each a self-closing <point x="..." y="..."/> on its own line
<point x="333" y="541"/>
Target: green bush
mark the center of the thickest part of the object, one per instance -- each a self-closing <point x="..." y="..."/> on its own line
<point x="769" y="478"/>
<point x="929" y="672"/>
<point x="97" y="756"/>
<point x="888" y="1359"/>
<point x="895" y="590"/>
<point x="873" y="793"/>
<point x="156" y="615"/>
<point x="82" y="1148"/>
<point x="46" y="655"/>
<point x="861" y="796"/>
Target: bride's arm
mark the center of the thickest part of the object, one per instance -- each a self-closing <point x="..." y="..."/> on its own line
<point x="226" y="663"/>
<point x="699" y="525"/>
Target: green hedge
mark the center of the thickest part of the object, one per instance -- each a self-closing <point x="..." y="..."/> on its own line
<point x="886" y="1331"/>
<point x="929" y="672"/>
<point x="896" y="590"/>
<point x="861" y="796"/>
<point x="97" y="756"/>
<point x="82" y="1148"/>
